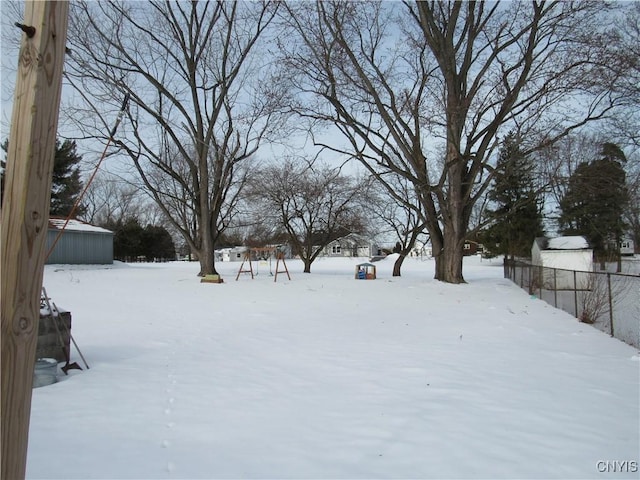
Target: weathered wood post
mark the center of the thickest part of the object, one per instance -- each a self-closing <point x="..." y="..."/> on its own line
<point x="25" y="216"/>
<point x="610" y="295"/>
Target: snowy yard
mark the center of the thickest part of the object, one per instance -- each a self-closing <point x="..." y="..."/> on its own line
<point x="325" y="376"/>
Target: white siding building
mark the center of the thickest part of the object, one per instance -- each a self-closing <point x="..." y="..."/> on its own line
<point x="565" y="255"/>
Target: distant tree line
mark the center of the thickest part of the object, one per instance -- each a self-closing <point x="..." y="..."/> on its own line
<point x="134" y="243"/>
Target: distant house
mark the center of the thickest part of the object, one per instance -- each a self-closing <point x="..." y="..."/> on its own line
<point x="235" y="254"/>
<point x="222" y="254"/>
<point x="565" y="255"/>
<point x="471" y="248"/>
<point x="349" y="246"/>
<point x="627" y="246"/>
<point x="79" y="243"/>
<point x="238" y="254"/>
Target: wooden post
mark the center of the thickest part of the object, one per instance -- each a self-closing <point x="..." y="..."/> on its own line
<point x="575" y="293"/>
<point x="610" y="303"/>
<point x="555" y="288"/>
<point x="280" y="257"/>
<point x="25" y="216"/>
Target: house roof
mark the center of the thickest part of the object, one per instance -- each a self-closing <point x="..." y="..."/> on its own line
<point x="351" y="238"/>
<point x="75" y="226"/>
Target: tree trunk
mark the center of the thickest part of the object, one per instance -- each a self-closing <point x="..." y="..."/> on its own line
<point x="207" y="262"/>
<point x="447" y="251"/>
<point x="205" y="253"/>
<point x="398" y="265"/>
<point x="307" y="265"/>
<point x="452" y="258"/>
<point x="455" y="220"/>
<point x="437" y="252"/>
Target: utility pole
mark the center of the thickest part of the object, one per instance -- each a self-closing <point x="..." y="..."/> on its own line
<point x="25" y="216"/>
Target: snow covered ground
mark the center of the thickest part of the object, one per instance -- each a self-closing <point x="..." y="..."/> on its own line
<point x="325" y="376"/>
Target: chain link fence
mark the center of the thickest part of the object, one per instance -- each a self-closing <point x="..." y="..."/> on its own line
<point x="608" y="301"/>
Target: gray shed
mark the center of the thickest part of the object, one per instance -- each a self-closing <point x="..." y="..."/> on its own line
<point x="80" y="243"/>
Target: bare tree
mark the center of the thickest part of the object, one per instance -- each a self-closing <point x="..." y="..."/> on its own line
<point x="109" y="200"/>
<point x="198" y="108"/>
<point x="401" y="81"/>
<point x="625" y="127"/>
<point x="556" y="164"/>
<point x="314" y="204"/>
<point x="399" y="213"/>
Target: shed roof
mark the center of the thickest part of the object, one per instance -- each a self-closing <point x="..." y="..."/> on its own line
<point x="568" y="243"/>
<point x="75" y="226"/>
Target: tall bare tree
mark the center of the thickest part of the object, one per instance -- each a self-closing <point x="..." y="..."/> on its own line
<point x="407" y="82"/>
<point x="626" y="59"/>
<point x="625" y="128"/>
<point x="313" y="204"/>
<point x="200" y="100"/>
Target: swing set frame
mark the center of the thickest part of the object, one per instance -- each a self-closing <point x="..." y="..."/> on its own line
<point x="260" y="252"/>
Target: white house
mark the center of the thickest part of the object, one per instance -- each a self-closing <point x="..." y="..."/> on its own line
<point x="349" y="246"/>
<point x="560" y="257"/>
<point x="235" y="254"/>
<point x="627" y="246"/>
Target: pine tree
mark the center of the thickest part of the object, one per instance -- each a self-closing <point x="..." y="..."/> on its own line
<point x="157" y="244"/>
<point x="127" y="240"/>
<point x="517" y="217"/>
<point x="594" y="204"/>
<point x="66" y="185"/>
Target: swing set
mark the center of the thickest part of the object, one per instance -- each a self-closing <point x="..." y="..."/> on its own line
<point x="262" y="254"/>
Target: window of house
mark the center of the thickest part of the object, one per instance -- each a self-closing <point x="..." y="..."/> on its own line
<point x="336" y="249"/>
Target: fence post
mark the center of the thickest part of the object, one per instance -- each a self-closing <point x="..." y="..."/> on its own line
<point x="540" y="280"/>
<point x="575" y="292"/>
<point x="555" y="287"/>
<point x="521" y="276"/>
<point x="610" y="302"/>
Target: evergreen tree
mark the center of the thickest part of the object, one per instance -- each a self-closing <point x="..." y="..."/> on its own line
<point x="516" y="219"/>
<point x="132" y="242"/>
<point x="157" y="244"/>
<point x="66" y="185"/>
<point x="127" y="240"/>
<point x="594" y="204"/>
